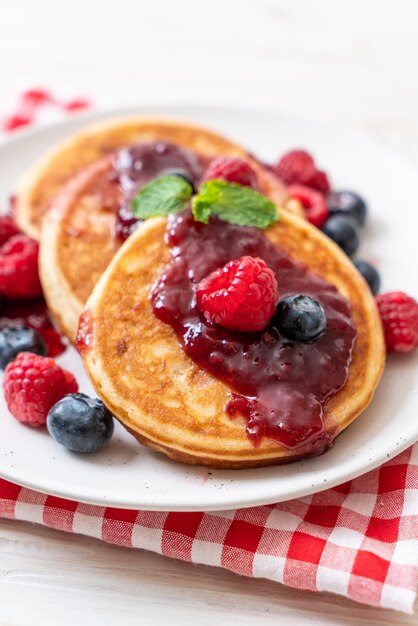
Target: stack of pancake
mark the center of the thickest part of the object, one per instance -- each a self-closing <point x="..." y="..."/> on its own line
<point x="135" y="362"/>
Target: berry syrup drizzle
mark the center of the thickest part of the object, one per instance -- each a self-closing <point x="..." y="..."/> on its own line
<point x="84" y="337"/>
<point x="279" y="386"/>
<point x="137" y="165"/>
<point x="35" y="314"/>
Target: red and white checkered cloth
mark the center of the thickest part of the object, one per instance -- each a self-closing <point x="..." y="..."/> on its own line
<point x="359" y="540"/>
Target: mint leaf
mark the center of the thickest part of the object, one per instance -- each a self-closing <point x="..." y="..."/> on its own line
<point x="202" y="204"/>
<point x="164" y="195"/>
<point x="230" y="202"/>
<point x="233" y="203"/>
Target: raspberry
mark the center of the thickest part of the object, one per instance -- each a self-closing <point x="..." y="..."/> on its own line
<point x="72" y="385"/>
<point x="399" y="315"/>
<point x="296" y="166"/>
<point x="319" y="181"/>
<point x="313" y="203"/>
<point x="7" y="228"/>
<point x="19" y="268"/>
<point x="242" y="295"/>
<point x="233" y="170"/>
<point x="33" y="384"/>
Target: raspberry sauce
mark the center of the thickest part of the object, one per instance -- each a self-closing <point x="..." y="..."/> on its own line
<point x="34" y="314"/>
<point x="278" y="386"/>
<point x="137" y="165"/>
<point x="85" y="332"/>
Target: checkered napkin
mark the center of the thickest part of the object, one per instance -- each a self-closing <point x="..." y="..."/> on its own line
<point x="359" y="540"/>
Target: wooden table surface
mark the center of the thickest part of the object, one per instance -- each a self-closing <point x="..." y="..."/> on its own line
<point x="349" y="61"/>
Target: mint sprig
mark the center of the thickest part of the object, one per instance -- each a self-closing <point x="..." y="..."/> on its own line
<point x="234" y="204"/>
<point x="162" y="196"/>
<point x="230" y="202"/>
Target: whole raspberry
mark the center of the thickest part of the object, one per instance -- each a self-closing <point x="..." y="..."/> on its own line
<point x="319" y="181"/>
<point x="33" y="384"/>
<point x="19" y="268"/>
<point x="399" y="315"/>
<point x="242" y="295"/>
<point x="296" y="166"/>
<point x="72" y="385"/>
<point x="313" y="203"/>
<point x="233" y="170"/>
<point x="7" y="229"/>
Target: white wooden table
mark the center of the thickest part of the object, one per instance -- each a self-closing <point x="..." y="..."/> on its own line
<point x="350" y="61"/>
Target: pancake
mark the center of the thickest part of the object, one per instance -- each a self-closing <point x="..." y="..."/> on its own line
<point x="41" y="184"/>
<point x="78" y="241"/>
<point x="164" y="398"/>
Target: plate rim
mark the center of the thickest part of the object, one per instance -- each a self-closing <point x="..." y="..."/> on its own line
<point x="178" y="507"/>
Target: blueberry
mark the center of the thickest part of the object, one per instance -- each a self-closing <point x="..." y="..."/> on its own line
<point x="80" y="423"/>
<point x="300" y="318"/>
<point x="344" y="232"/>
<point x="15" y="339"/>
<point x="370" y="275"/>
<point x="349" y="204"/>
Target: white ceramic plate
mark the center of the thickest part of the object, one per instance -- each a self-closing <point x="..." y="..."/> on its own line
<point x="128" y="475"/>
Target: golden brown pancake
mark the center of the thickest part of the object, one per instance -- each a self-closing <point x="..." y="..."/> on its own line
<point x="41" y="184"/>
<point x="170" y="404"/>
<point x="78" y="241"/>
